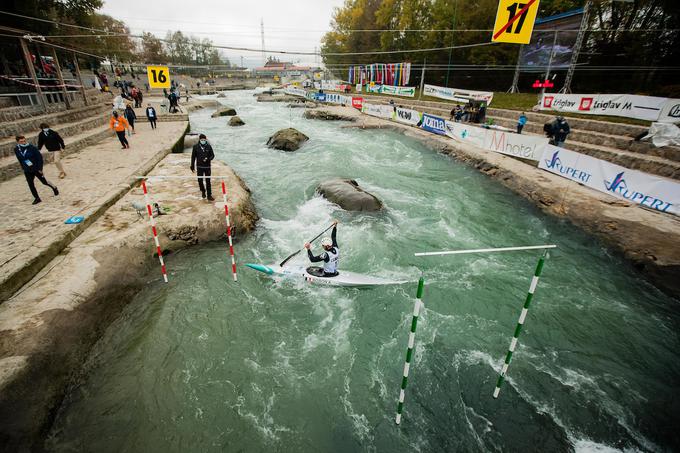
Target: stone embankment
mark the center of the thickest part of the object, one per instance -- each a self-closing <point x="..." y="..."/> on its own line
<point x="81" y="276"/>
<point x="649" y="239"/>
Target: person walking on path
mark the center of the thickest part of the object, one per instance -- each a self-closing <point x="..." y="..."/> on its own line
<point x="521" y="121"/>
<point x="118" y="124"/>
<point x="130" y="116"/>
<point x="201" y="156"/>
<point x="151" y="116"/>
<point x="32" y="163"/>
<point x="560" y="131"/>
<point x="54" y="143"/>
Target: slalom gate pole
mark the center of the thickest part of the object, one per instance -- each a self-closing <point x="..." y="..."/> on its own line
<point x="152" y="222"/>
<point x="520" y="323"/>
<point x="231" y="244"/>
<point x="409" y="351"/>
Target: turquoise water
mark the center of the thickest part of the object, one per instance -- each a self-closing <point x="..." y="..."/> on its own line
<point x="206" y="364"/>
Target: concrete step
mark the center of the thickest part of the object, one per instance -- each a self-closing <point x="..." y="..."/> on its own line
<point x="10" y="167"/>
<point x="66" y="130"/>
<point x="31" y="126"/>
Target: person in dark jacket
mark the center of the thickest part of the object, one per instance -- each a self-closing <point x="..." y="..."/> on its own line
<point x="560" y="131"/>
<point x="151" y="116"/>
<point x="201" y="156"/>
<point x="54" y="143"/>
<point x="130" y="116"/>
<point x="330" y="257"/>
<point x="32" y="163"/>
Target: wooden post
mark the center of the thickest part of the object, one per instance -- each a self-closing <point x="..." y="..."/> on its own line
<point x="60" y="76"/>
<point x="31" y="71"/>
<point x="80" y="79"/>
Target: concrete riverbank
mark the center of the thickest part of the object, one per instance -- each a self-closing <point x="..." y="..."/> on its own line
<point x="649" y="240"/>
<point x="77" y="279"/>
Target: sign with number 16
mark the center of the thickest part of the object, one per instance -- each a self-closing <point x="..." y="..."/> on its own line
<point x="159" y="76"/>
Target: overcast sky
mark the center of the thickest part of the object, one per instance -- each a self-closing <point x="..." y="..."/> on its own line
<point x="234" y="23"/>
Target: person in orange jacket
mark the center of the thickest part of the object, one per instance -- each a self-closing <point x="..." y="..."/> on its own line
<point x="119" y="124"/>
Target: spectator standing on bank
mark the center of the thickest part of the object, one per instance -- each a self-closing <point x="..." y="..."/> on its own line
<point x="130" y="116"/>
<point x="32" y="164"/>
<point x="118" y="124"/>
<point x="151" y="116"/>
<point x="201" y="156"/>
<point x="560" y="131"/>
<point x="54" y="143"/>
<point x="521" y="121"/>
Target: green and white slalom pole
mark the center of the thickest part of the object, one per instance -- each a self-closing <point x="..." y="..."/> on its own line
<point x="520" y="323"/>
<point x="409" y="351"/>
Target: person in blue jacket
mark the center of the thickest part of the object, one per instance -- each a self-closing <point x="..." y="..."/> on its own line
<point x="521" y="121"/>
<point x="32" y="163"/>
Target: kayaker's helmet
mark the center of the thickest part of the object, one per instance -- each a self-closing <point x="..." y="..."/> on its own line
<point x="326" y="242"/>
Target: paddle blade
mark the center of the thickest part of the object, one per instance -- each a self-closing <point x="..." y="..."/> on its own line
<point x="262" y="268"/>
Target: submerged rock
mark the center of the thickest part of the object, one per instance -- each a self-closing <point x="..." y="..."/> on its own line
<point x="221" y="95"/>
<point x="264" y="97"/>
<point x="326" y="115"/>
<point x="287" y="139"/>
<point x="224" y="111"/>
<point x="236" y="121"/>
<point x="348" y="195"/>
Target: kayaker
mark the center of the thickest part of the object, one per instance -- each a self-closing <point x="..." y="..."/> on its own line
<point x="330" y="256"/>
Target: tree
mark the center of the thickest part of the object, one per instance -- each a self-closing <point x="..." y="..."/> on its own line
<point x="152" y="49"/>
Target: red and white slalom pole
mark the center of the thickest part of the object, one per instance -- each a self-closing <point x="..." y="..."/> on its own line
<point x="231" y="244"/>
<point x="152" y="222"/>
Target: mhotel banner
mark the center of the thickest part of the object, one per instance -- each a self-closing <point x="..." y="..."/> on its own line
<point x="648" y="108"/>
<point x="379" y="110"/>
<point x="529" y="147"/>
<point x="455" y="94"/>
<point x="652" y="191"/>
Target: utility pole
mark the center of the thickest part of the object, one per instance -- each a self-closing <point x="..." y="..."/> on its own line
<point x="515" y="80"/>
<point x="241" y="61"/>
<point x="264" y="57"/>
<point x="31" y="72"/>
<point x="422" y="79"/>
<point x="453" y="27"/>
<point x="60" y="76"/>
<point x="566" y="88"/>
<point x="552" y="53"/>
<point x="80" y="79"/>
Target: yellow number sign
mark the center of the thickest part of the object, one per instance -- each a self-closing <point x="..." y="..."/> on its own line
<point x="159" y="76"/>
<point x="515" y="21"/>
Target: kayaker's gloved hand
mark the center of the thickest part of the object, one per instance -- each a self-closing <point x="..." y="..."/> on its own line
<point x="307" y="245"/>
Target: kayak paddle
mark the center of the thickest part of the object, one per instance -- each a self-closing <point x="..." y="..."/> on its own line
<point x="315" y="238"/>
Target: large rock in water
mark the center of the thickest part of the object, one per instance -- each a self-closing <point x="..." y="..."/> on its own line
<point x="190" y="140"/>
<point x="348" y="195"/>
<point x="236" y="121"/>
<point x="225" y="111"/>
<point x="287" y="139"/>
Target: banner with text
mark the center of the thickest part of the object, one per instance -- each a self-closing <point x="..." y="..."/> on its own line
<point x="333" y="85"/>
<point x="648" y="108"/>
<point x="455" y="94"/>
<point x="295" y="91"/>
<point x="338" y="99"/>
<point x="433" y="124"/>
<point x="408" y="116"/>
<point x="357" y="102"/>
<point x="654" y="192"/>
<point x="379" y="110"/>
<point x="529" y="147"/>
<point x="398" y="91"/>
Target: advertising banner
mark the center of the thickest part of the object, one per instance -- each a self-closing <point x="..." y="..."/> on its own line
<point x="398" y="91"/>
<point x="455" y="94"/>
<point x="648" y="108"/>
<point x="357" y="102"/>
<point x="295" y="91"/>
<point x="338" y="98"/>
<point x="408" y="116"/>
<point x="381" y="111"/>
<point x="433" y="124"/>
<point x="321" y="97"/>
<point x="505" y="142"/>
<point x="654" y="192"/>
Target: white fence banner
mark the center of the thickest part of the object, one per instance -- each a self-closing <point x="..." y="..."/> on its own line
<point x="455" y="94"/>
<point x="529" y="147"/>
<point x="408" y="116"/>
<point x="654" y="192"/>
<point x="332" y="85"/>
<point x="379" y="110"/>
<point x="295" y="91"/>
<point x="398" y="91"/>
<point x="648" y="108"/>
<point x="338" y="99"/>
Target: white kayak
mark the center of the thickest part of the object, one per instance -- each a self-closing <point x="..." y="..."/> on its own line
<point x="344" y="278"/>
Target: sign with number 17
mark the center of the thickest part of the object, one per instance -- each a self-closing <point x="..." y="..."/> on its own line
<point x="515" y="21"/>
<point x="159" y="76"/>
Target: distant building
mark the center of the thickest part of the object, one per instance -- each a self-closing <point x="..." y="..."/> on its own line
<point x="284" y="70"/>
